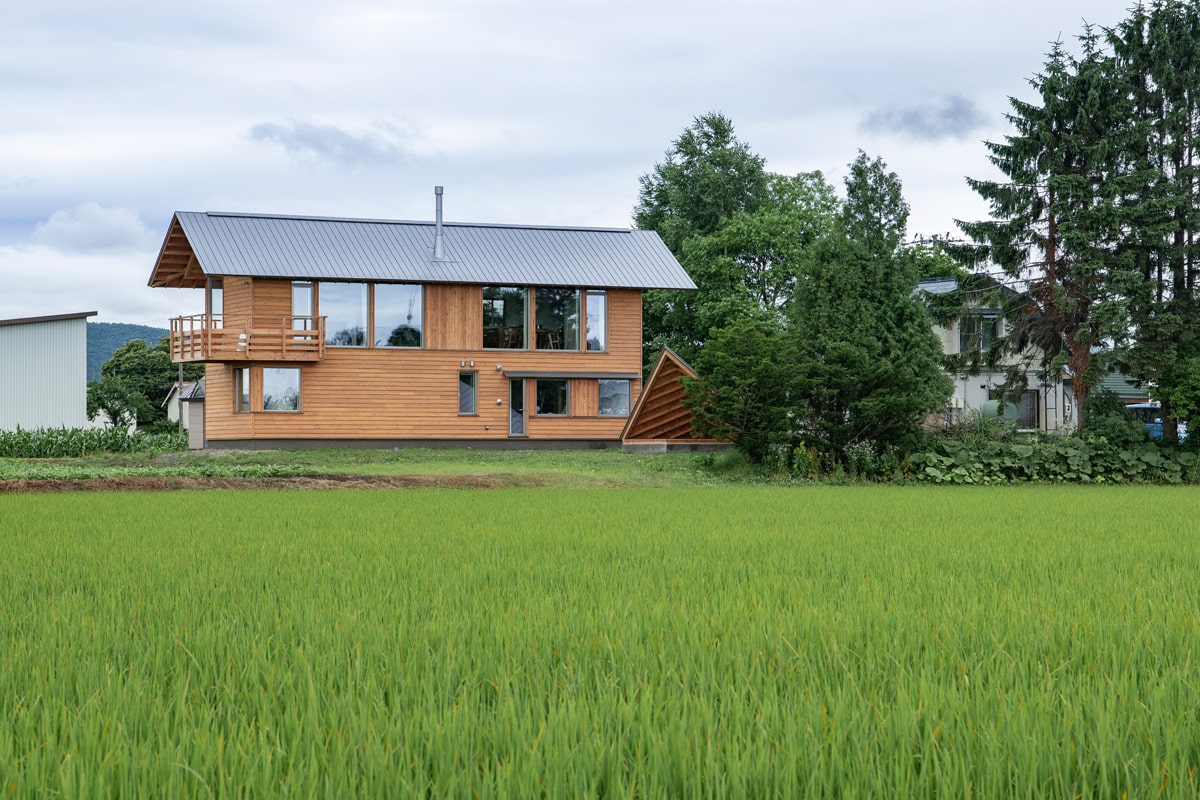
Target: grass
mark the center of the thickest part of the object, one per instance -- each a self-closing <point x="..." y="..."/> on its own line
<point x="685" y="642"/>
<point x="565" y="468"/>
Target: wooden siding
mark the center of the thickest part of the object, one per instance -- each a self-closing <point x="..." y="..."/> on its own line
<point x="453" y="317"/>
<point x="387" y="393"/>
<point x="659" y="413"/>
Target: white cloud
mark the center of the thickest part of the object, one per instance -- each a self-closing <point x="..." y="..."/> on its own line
<point x="43" y="280"/>
<point x="92" y="228"/>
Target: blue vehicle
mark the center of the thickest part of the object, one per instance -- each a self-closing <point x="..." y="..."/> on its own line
<point x="1150" y="415"/>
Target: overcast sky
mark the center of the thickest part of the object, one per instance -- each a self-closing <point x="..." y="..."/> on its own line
<point x="114" y="115"/>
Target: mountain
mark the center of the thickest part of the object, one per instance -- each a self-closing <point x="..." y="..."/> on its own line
<point x="103" y="339"/>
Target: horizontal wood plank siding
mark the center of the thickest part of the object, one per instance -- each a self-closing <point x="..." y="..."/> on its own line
<point x="238" y="297"/>
<point x="272" y="298"/>
<point x="220" y="421"/>
<point x="387" y="393"/>
<point x="454" y="317"/>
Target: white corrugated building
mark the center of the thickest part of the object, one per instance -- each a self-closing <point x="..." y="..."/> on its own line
<point x="43" y="372"/>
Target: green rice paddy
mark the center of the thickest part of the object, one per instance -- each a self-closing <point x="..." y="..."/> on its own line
<point x="684" y="642"/>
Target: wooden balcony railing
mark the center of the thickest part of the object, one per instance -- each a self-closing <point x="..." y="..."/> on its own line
<point x="228" y="337"/>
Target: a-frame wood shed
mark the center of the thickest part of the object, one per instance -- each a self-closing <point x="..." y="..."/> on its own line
<point x="659" y="421"/>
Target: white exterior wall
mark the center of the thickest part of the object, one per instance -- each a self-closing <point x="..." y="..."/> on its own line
<point x="43" y="374"/>
<point x="972" y="391"/>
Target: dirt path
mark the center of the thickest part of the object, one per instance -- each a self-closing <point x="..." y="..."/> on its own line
<point x="150" y="484"/>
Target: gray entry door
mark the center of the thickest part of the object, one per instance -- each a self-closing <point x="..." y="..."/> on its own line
<point x="516" y="407"/>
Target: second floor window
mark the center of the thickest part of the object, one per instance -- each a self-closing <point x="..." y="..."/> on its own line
<point x="505" y="309"/>
<point x="398" y="315"/>
<point x="597" y="320"/>
<point x="344" y="306"/>
<point x="557" y="312"/>
<point x="977" y="333"/>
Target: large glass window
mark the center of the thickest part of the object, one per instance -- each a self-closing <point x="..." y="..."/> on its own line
<point x="597" y="320"/>
<point x="466" y="393"/>
<point x="281" y="388"/>
<point x="241" y="390"/>
<point x="614" y="398"/>
<point x="557" y="312"/>
<point x="398" y="315"/>
<point x="344" y="306"/>
<point x="552" y="397"/>
<point x="504" y="312"/>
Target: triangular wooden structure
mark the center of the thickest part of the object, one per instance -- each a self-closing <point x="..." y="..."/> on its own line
<point x="659" y="415"/>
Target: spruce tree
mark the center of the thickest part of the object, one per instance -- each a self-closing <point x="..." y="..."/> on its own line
<point x="1157" y="50"/>
<point x="1055" y="227"/>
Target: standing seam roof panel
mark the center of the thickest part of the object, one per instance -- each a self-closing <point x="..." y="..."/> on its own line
<point x="358" y="250"/>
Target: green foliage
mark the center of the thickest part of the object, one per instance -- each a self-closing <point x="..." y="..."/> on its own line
<point x="746" y="392"/>
<point x="139" y="377"/>
<point x="875" y="213"/>
<point x="103" y="339"/>
<point x="121" y="404"/>
<point x="1107" y="419"/>
<point x="77" y="442"/>
<point x="738" y="230"/>
<point x="867" y="362"/>
<point x="1074" y="459"/>
<point x="707" y="176"/>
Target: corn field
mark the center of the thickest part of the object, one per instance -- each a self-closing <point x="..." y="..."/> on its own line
<point x="695" y="642"/>
<point x="79" y="442"/>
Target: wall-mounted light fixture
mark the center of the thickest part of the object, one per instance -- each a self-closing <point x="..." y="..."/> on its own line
<point x="499" y="402"/>
<point x="462" y="363"/>
<point x="499" y="368"/>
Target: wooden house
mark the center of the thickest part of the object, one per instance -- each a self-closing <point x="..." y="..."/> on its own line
<point x="327" y="331"/>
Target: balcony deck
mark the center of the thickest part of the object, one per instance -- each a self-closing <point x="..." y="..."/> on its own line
<point x="224" y="337"/>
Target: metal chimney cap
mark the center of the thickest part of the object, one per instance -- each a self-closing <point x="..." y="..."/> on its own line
<point x="437" y="190"/>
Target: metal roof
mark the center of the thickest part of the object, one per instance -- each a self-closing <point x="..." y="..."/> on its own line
<point x="49" y="318"/>
<point x="324" y="248"/>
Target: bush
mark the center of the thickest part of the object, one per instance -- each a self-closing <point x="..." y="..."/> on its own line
<point x="1050" y="458"/>
<point x="1107" y="419"/>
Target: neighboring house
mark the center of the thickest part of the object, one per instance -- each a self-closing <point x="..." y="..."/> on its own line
<point x="43" y="372"/>
<point x="1044" y="405"/>
<point x="321" y="331"/>
<point x="173" y="404"/>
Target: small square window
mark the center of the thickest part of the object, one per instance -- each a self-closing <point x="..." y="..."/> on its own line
<point x="281" y="389"/>
<point x="552" y="398"/>
<point x="614" y="398"/>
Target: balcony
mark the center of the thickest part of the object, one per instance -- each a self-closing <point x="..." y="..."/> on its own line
<point x="228" y="337"/>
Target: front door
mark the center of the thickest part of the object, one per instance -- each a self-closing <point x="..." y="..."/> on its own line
<point x="516" y="407"/>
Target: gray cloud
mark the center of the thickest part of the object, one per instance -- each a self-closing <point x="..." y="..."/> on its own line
<point x="952" y="117"/>
<point x="333" y="144"/>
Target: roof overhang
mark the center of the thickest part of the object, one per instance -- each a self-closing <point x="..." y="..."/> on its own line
<point x="177" y="266"/>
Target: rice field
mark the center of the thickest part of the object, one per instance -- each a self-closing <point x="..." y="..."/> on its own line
<point x="685" y="642"/>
